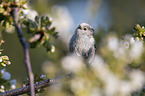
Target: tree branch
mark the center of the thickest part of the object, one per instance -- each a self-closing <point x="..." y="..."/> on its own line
<point x="39" y="85"/>
<point x="15" y="16"/>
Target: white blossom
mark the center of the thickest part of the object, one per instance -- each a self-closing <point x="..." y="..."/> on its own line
<point x="3" y="71"/>
<point x="125" y="88"/>
<point x="137" y="79"/>
<point x="113" y="43"/>
<point x="2" y="90"/>
<point x="1" y="59"/>
<point x="13" y="82"/>
<point x="72" y="63"/>
<point x="136" y="50"/>
<point x="13" y="86"/>
<point x="2" y="87"/>
<point x="29" y="13"/>
<point x="63" y="21"/>
<point x="6" y="76"/>
<point x="132" y="40"/>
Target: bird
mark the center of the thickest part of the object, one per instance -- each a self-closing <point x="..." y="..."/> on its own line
<point x="82" y="42"/>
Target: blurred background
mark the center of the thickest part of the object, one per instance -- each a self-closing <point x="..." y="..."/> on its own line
<point x="117" y="56"/>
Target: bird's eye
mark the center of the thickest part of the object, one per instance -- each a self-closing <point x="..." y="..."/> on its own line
<point x="85" y="28"/>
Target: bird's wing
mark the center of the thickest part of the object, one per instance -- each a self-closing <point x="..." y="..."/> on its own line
<point x="92" y="54"/>
<point x="72" y="44"/>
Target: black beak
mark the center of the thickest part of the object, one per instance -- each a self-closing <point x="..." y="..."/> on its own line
<point x="79" y="27"/>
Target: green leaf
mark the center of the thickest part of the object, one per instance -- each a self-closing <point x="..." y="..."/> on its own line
<point x="42" y="21"/>
<point x="55" y="34"/>
<point x="32" y="23"/>
<point x="37" y="19"/>
<point x="48" y="22"/>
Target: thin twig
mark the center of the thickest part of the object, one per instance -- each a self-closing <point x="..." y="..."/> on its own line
<point x="15" y="16"/>
<point x="39" y="85"/>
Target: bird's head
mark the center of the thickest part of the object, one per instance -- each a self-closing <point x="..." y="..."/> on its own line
<point x="84" y="29"/>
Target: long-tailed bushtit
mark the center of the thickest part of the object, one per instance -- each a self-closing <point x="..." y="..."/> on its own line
<point x="82" y="42"/>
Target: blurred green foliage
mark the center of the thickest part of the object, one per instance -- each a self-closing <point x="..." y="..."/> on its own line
<point x="4" y="60"/>
<point x="6" y="8"/>
<point x="42" y="32"/>
<point x="5" y="77"/>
